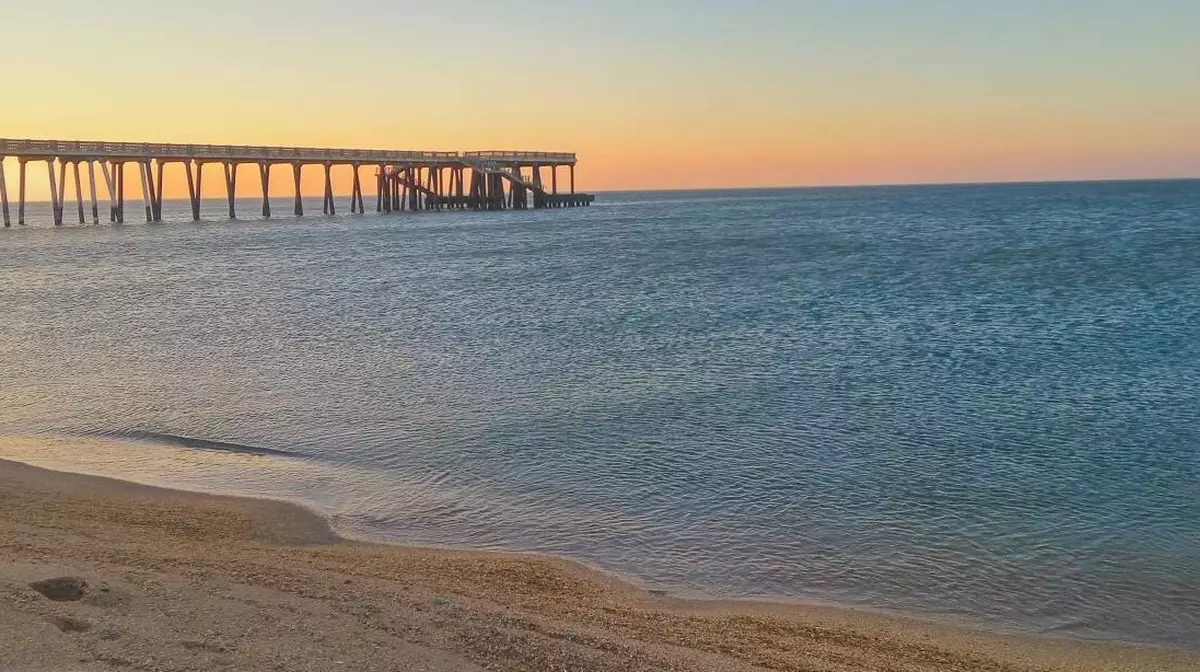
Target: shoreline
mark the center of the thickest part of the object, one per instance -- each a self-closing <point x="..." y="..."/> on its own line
<point x="32" y="450"/>
<point x="460" y="609"/>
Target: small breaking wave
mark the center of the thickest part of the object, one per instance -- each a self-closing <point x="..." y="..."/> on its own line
<point x="146" y="436"/>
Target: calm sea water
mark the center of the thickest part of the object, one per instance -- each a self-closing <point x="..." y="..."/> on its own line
<point x="970" y="402"/>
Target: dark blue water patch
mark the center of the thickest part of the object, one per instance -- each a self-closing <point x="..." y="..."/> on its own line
<point x="969" y="401"/>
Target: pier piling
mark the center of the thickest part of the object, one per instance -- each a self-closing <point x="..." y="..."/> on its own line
<point x="264" y="171"/>
<point x="328" y="206"/>
<point x="199" y="187"/>
<point x="230" y="169"/>
<point x="54" y="194"/>
<point x="21" y="196"/>
<point x="147" y="189"/>
<point x="120" y="176"/>
<point x="298" y="206"/>
<point x="192" y="169"/>
<point x="379" y="189"/>
<point x="110" y="184"/>
<point x="4" y="194"/>
<point x="62" y="190"/>
<point x="158" y="192"/>
<point x="356" y="196"/>
<point x="78" y="192"/>
<point x="92" y="191"/>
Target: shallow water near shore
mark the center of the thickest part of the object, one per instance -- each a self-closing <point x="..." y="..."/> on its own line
<point x="974" y="402"/>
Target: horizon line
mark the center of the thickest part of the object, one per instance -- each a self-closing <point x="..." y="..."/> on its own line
<point x="964" y="183"/>
<point x="847" y="185"/>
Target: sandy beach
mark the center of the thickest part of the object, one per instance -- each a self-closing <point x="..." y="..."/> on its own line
<point x="143" y="578"/>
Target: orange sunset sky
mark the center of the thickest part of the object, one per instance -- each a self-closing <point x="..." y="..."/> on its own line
<point x="656" y="94"/>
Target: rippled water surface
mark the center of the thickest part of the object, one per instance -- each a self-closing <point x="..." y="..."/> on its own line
<point x="977" y="402"/>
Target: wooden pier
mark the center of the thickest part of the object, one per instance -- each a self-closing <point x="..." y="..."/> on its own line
<point x="404" y="180"/>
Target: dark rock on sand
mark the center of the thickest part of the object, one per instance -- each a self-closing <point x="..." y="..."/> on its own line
<point x="61" y="589"/>
<point x="68" y="624"/>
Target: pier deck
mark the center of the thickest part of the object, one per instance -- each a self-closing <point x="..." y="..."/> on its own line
<point x="405" y="180"/>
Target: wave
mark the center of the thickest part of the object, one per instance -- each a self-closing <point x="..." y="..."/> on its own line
<point x="188" y="442"/>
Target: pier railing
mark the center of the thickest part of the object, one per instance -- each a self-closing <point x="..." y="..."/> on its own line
<point x="506" y="155"/>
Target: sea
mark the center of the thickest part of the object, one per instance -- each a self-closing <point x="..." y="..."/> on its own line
<point x="973" y="403"/>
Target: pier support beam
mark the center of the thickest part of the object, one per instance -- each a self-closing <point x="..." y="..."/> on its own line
<point x="110" y="183"/>
<point x="394" y="189"/>
<point x="4" y="195"/>
<point x="92" y="191"/>
<point x="157" y="192"/>
<point x="476" y="195"/>
<point x="494" y="191"/>
<point x="120" y="192"/>
<point x="199" y="190"/>
<point x="517" y="192"/>
<point x="400" y="190"/>
<point x="572" y="178"/>
<point x="379" y="190"/>
<point x="431" y="198"/>
<point x="404" y="191"/>
<point x="21" y="197"/>
<point x="231" y="187"/>
<point x="414" y="197"/>
<point x="78" y="192"/>
<point x="264" y="173"/>
<point x="405" y="195"/>
<point x="55" y="199"/>
<point x="120" y="168"/>
<point x="356" y="198"/>
<point x="298" y="206"/>
<point x="435" y="188"/>
<point x="156" y="189"/>
<point x="539" y="192"/>
<point x="423" y="194"/>
<point x="115" y="186"/>
<point x="193" y="181"/>
<point x="62" y="190"/>
<point x="147" y="189"/>
<point x="436" y="196"/>
<point x="328" y="206"/>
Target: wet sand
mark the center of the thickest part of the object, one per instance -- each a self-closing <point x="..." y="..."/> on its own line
<point x="181" y="581"/>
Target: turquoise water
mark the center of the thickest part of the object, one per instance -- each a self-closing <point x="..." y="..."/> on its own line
<point x="969" y="402"/>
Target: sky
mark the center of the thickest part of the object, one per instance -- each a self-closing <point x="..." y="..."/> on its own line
<point x="650" y="94"/>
